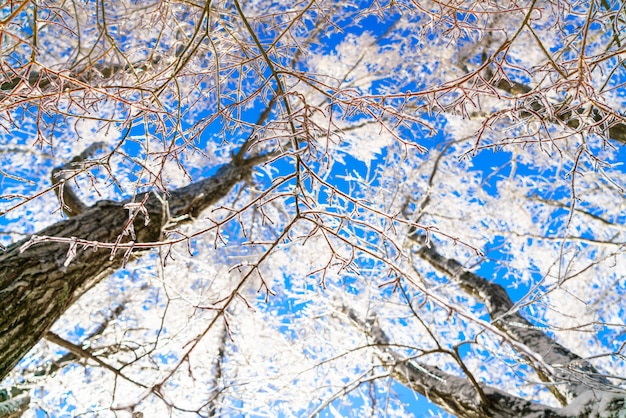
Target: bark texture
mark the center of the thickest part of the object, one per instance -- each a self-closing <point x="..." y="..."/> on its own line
<point x="37" y="284"/>
<point x="14" y="407"/>
<point x="454" y="394"/>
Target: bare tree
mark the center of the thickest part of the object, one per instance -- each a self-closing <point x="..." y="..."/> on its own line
<point x="227" y="208"/>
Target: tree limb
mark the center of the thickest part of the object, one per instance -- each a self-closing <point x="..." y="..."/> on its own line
<point x="70" y="202"/>
<point x="452" y="393"/>
<point x="616" y="128"/>
<point x="40" y="279"/>
<point x="14" y="407"/>
<point x="565" y="364"/>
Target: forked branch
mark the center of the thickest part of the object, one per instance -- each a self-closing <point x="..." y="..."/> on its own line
<point x="41" y="278"/>
<point x="69" y="200"/>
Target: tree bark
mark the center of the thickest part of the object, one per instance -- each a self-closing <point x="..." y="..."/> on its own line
<point x="14" y="407"/>
<point x="40" y="278"/>
<point x="454" y="394"/>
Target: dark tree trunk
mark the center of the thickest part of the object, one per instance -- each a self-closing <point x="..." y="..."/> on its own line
<point x="37" y="284"/>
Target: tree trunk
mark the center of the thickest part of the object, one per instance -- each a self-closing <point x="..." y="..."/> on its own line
<point x="40" y="278"/>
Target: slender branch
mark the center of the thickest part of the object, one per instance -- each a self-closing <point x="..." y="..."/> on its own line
<point x="71" y="356"/>
<point x="69" y="200"/>
<point x="214" y="404"/>
<point x="82" y="353"/>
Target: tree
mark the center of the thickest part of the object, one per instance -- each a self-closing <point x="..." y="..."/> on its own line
<point x="263" y="208"/>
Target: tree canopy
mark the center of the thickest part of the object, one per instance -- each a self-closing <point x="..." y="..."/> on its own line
<point x="265" y="208"/>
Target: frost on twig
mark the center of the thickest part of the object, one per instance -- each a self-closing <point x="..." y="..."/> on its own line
<point x="37" y="291"/>
<point x="69" y="200"/>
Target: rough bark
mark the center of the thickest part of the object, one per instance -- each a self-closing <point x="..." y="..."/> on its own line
<point x="37" y="284"/>
<point x="14" y="407"/>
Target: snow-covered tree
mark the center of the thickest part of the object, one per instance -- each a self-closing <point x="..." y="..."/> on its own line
<point x="274" y="208"/>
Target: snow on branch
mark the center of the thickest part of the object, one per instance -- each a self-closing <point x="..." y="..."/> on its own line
<point x="565" y="366"/>
<point x="463" y="397"/>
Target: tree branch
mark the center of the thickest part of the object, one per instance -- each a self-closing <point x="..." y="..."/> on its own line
<point x="82" y="353"/>
<point x="572" y="118"/>
<point x="40" y="278"/>
<point x="14" y="407"/>
<point x="70" y="202"/>
<point x="454" y="394"/>
<point x="500" y="308"/>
